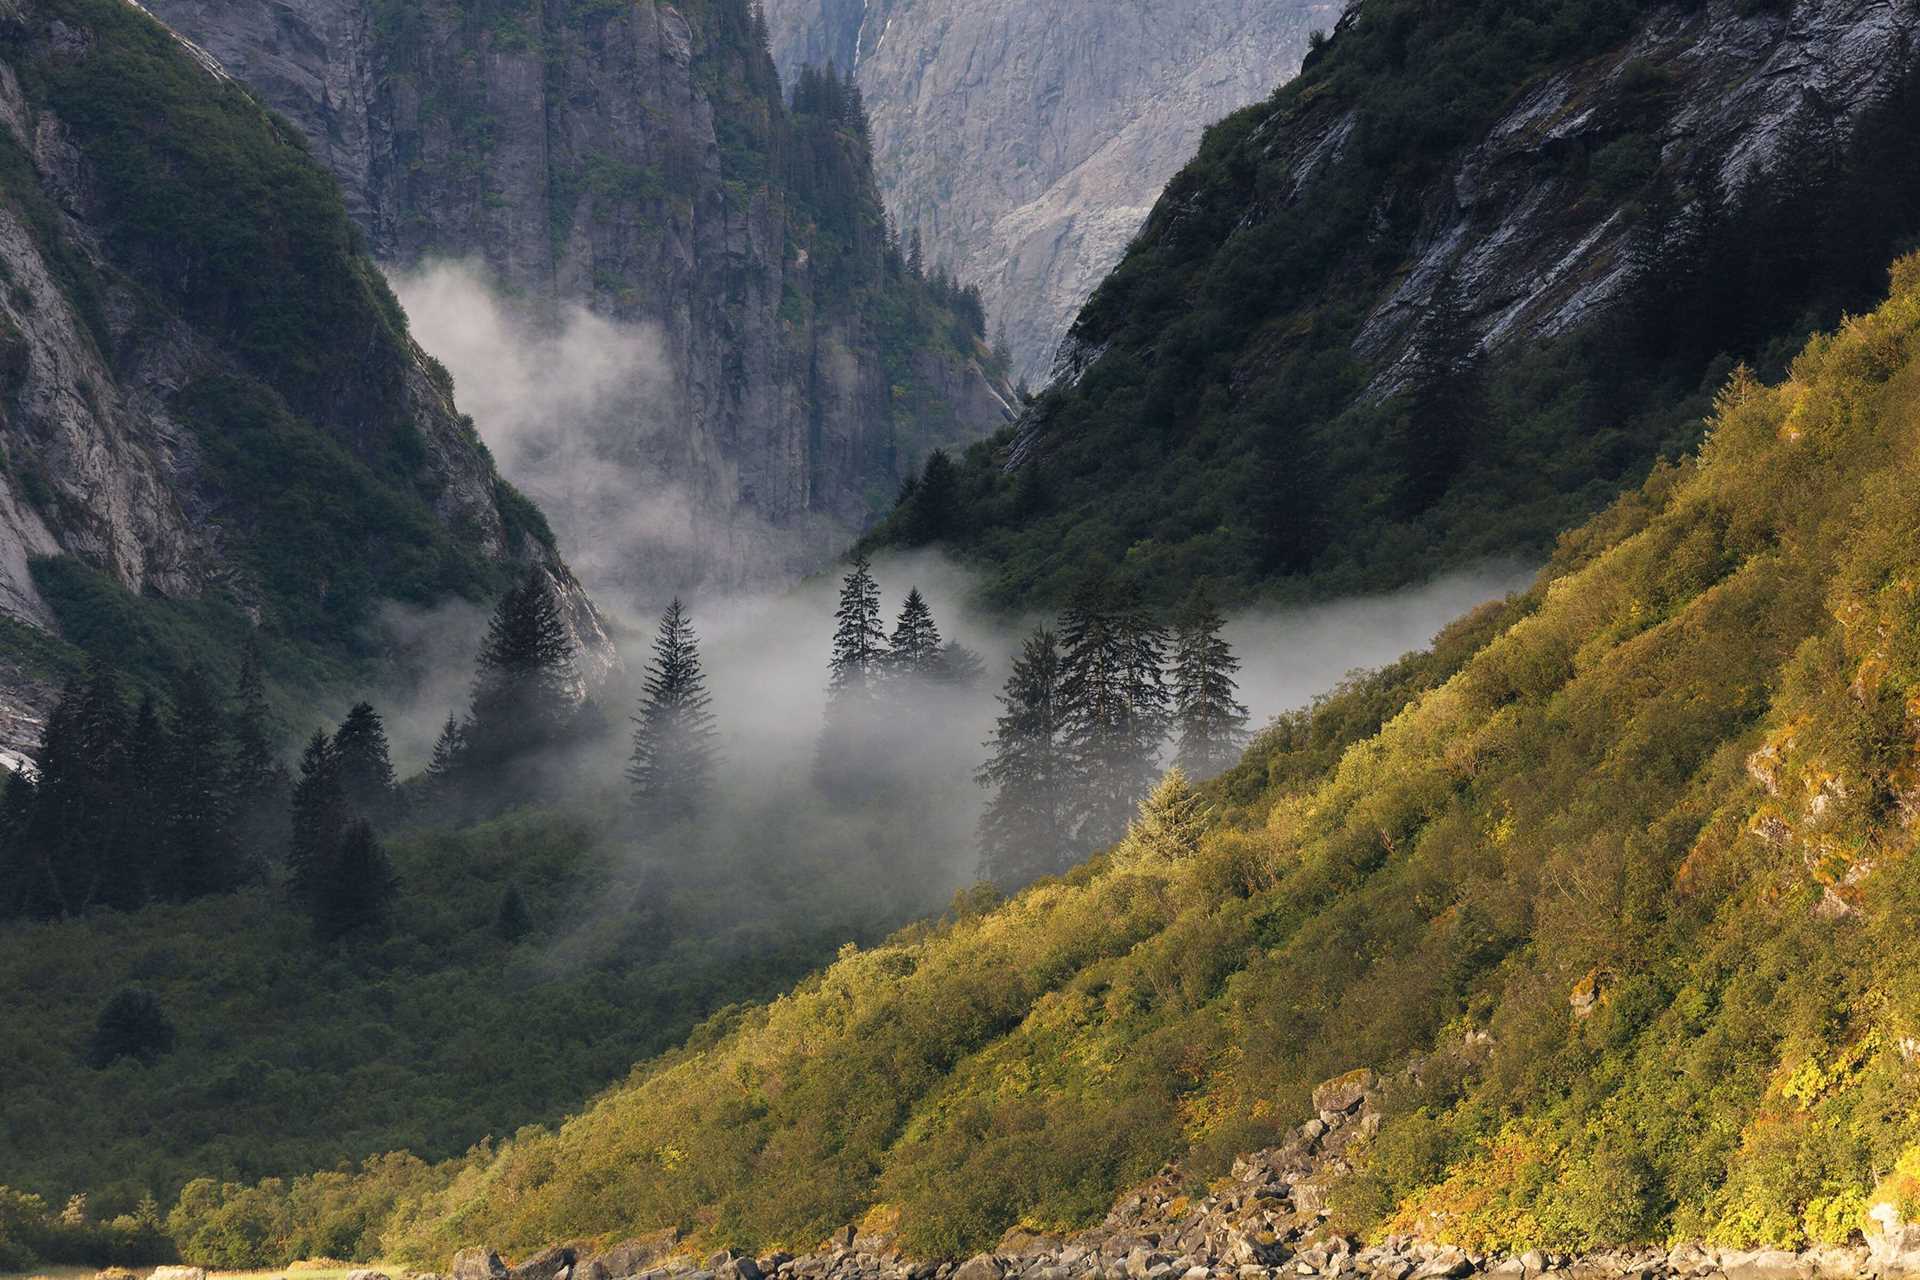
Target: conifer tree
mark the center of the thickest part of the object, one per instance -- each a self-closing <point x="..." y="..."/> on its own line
<point x="320" y="817"/>
<point x="523" y="691"/>
<point x="933" y="507"/>
<point x="858" y="661"/>
<point x="1209" y="719"/>
<point x="364" y="763"/>
<point x="77" y="838"/>
<point x="16" y="811"/>
<point x="513" y="921"/>
<point x="959" y="666"/>
<point x="1172" y="819"/>
<point x="1023" y="830"/>
<point x="144" y="780"/>
<point x="260" y="784"/>
<point x="1447" y="399"/>
<point x="859" y="642"/>
<point x="673" y="737"/>
<point x="200" y="856"/>
<point x="356" y="892"/>
<point x="447" y="750"/>
<point x="1116" y="702"/>
<point x="913" y="651"/>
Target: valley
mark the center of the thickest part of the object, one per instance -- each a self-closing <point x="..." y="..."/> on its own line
<point x="582" y="698"/>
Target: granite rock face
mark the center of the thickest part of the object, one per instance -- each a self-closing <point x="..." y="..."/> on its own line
<point x="105" y="450"/>
<point x="1028" y="140"/>
<point x="623" y="159"/>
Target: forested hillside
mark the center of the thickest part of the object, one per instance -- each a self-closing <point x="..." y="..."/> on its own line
<point x="1622" y="861"/>
<point x="1446" y="292"/>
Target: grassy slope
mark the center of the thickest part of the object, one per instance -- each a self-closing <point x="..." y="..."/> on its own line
<point x="292" y="1057"/>
<point x="1581" y="808"/>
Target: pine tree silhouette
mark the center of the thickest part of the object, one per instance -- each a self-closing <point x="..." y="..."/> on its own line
<point x="674" y="754"/>
<point x="356" y="893"/>
<point x="1023" y="829"/>
<point x="319" y="817"/>
<point x="1209" y="719"/>
<point x="364" y="763"/>
<point x="1116" y="702"/>
<point x="523" y="696"/>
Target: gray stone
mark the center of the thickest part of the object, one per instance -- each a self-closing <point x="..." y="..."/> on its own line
<point x="178" y="1273"/>
<point x="479" y="1264"/>
<point x="982" y="1266"/>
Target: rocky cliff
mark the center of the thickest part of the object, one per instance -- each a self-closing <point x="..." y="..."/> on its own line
<point x="1026" y="141"/>
<point x="212" y="416"/>
<point x="1455" y="284"/>
<point x="637" y="160"/>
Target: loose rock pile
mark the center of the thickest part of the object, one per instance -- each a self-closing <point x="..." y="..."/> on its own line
<point x="1266" y="1221"/>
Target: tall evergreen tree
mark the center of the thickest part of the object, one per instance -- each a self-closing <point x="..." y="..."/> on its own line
<point x="364" y="763"/>
<point x="200" y="855"/>
<point x="859" y="641"/>
<point x="77" y="840"/>
<point x="959" y="666"/>
<point x="933" y="508"/>
<point x="512" y="921"/>
<point x="673" y="736"/>
<point x="1116" y="702"/>
<point x="447" y="750"/>
<point x="356" y="893"/>
<point x="1208" y="717"/>
<point x="16" y="811"/>
<point x="523" y="692"/>
<point x="146" y="783"/>
<point x="1024" y="828"/>
<point x="858" y="662"/>
<point x="260" y="784"/>
<point x="1447" y="403"/>
<point x="320" y="817"/>
<point x="913" y="651"/>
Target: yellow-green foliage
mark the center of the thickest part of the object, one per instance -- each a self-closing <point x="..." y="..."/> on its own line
<point x="1676" y="778"/>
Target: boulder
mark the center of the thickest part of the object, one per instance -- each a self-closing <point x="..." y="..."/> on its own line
<point x="1345" y="1093"/>
<point x="1760" y="1264"/>
<point x="553" y="1263"/>
<point x="1893" y="1244"/>
<point x="368" y="1274"/>
<point x="1445" y="1264"/>
<point x="479" y="1263"/>
<point x="628" y="1258"/>
<point x="982" y="1266"/>
<point x="178" y="1273"/>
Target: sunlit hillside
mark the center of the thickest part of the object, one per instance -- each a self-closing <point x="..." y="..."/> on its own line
<point x="1646" y="849"/>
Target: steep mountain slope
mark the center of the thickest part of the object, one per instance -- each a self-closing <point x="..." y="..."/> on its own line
<point x="1621" y="871"/>
<point x="1026" y="142"/>
<point x="638" y="160"/>
<point x="1451" y="287"/>
<point x="213" y="419"/>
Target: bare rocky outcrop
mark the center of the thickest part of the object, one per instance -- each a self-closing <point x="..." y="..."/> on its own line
<point x="599" y="156"/>
<point x="1026" y="139"/>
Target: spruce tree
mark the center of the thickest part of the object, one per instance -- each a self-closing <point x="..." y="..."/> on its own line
<point x="260" y="784"/>
<point x="79" y="841"/>
<point x="1115" y="698"/>
<point x="447" y="751"/>
<point x="523" y="696"/>
<point x="1172" y="820"/>
<point x="859" y="658"/>
<point x="16" y="813"/>
<point x="1023" y="830"/>
<point x="1447" y="401"/>
<point x="933" y="508"/>
<point x="859" y="642"/>
<point x="913" y="651"/>
<point x="1210" y="721"/>
<point x="320" y="817"/>
<point x="673" y="736"/>
<point x="356" y="893"/>
<point x="364" y="763"/>
<point x="959" y="666"/>
<point x="145" y="779"/>
<point x="200" y="854"/>
<point x="513" y="921"/>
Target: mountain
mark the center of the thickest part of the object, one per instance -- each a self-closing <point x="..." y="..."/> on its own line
<point x="1613" y="889"/>
<point x="1025" y="141"/>
<point x="783" y="373"/>
<point x="1448" y="290"/>
<point x="214" y="422"/>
